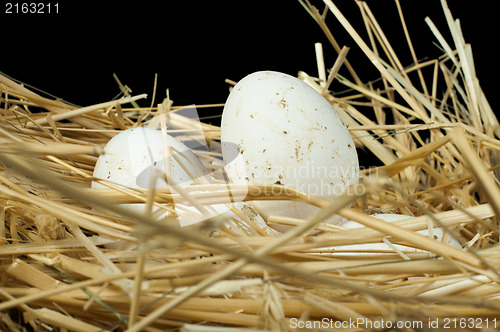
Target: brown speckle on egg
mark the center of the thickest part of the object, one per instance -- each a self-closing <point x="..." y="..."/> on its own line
<point x="282" y="103"/>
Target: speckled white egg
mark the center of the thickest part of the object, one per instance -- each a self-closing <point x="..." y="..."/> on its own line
<point x="276" y="129"/>
<point x="135" y="158"/>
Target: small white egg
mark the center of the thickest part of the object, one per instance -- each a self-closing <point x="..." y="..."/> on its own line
<point x="276" y="129"/>
<point x="135" y="158"/>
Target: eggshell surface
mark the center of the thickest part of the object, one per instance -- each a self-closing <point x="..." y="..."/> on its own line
<point x="277" y="129"/>
<point x="131" y="157"/>
<point x="136" y="158"/>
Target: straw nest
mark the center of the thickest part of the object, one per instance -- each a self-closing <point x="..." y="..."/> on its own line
<point x="430" y="126"/>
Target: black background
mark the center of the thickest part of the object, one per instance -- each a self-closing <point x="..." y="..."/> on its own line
<point x="194" y="46"/>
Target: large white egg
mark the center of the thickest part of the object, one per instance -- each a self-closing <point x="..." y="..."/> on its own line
<point x="136" y="158"/>
<point x="276" y="129"/>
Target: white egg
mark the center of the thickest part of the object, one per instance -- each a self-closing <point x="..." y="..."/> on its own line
<point x="371" y="247"/>
<point x="276" y="129"/>
<point x="135" y="158"/>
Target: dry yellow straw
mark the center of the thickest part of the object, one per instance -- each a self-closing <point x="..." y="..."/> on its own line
<point x="85" y="110"/>
<point x="477" y="168"/>
<point x="440" y="165"/>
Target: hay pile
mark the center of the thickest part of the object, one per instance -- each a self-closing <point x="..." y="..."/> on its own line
<point x="72" y="258"/>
